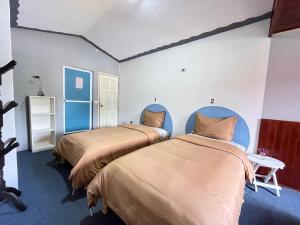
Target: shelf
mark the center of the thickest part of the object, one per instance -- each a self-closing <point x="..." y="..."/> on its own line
<point x="43" y="130"/>
<point x="42" y="97"/>
<point x="42" y="146"/>
<point x="42" y="114"/>
<point x="42" y="123"/>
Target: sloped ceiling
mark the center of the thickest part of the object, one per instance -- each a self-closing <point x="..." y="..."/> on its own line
<point x="125" y="28"/>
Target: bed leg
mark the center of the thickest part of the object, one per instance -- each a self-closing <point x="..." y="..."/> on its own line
<point x="104" y="209"/>
<point x="91" y="212"/>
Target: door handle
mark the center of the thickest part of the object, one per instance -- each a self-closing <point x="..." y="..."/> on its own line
<point x="101" y="105"/>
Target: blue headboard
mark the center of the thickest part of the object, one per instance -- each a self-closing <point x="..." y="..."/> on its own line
<point x="241" y="133"/>
<point x="168" y="123"/>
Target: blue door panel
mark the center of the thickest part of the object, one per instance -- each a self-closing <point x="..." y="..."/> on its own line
<point x="77" y="100"/>
<point x="73" y="93"/>
<point x="77" y="116"/>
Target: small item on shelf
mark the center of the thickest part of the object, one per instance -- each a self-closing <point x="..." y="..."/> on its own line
<point x="40" y="92"/>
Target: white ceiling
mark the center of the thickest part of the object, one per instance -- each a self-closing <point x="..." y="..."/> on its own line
<point x="125" y="28"/>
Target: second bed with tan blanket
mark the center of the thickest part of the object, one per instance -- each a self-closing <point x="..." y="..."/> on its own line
<point x="189" y="180"/>
<point x="88" y="152"/>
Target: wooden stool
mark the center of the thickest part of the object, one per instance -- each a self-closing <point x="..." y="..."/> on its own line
<point x="269" y="162"/>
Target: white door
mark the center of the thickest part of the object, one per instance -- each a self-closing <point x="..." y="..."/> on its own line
<point x="108" y="100"/>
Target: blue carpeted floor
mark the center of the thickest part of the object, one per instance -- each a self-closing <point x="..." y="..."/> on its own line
<point x="46" y="191"/>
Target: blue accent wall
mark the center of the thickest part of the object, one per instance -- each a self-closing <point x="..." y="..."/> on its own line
<point x="168" y="123"/>
<point x="241" y="134"/>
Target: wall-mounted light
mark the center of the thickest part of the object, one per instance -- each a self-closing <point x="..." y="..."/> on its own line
<point x="40" y="92"/>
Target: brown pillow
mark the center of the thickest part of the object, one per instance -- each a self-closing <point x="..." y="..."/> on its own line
<point x="154" y="119"/>
<point x="218" y="128"/>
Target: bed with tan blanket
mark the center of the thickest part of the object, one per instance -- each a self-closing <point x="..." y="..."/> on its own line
<point x="189" y="180"/>
<point x="88" y="152"/>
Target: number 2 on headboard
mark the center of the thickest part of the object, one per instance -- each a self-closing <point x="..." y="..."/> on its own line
<point x="212" y="101"/>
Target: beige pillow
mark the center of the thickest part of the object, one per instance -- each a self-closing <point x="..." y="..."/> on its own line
<point x="218" y="128"/>
<point x="154" y="119"/>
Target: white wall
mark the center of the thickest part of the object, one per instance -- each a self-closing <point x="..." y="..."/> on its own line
<point x="7" y="94"/>
<point x="283" y="82"/>
<point x="44" y="54"/>
<point x="230" y="67"/>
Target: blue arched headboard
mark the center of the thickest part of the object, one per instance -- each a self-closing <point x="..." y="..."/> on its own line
<point x="241" y="133"/>
<point x="168" y="123"/>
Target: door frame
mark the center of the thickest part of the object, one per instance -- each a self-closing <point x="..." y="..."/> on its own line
<point x="91" y="97"/>
<point x="99" y="91"/>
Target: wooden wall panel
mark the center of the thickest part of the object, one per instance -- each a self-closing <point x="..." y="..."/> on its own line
<point x="282" y="139"/>
<point x="286" y="16"/>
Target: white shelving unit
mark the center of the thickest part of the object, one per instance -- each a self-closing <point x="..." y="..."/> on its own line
<point x="42" y="123"/>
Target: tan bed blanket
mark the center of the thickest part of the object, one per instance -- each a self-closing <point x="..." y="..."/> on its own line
<point x="188" y="180"/>
<point x="90" y="151"/>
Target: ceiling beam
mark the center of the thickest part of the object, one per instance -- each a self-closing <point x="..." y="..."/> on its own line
<point x="68" y="34"/>
<point x="14" y="11"/>
<point x="203" y="35"/>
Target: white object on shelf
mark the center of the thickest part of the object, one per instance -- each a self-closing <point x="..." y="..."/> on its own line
<point x="42" y="123"/>
<point x="269" y="162"/>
